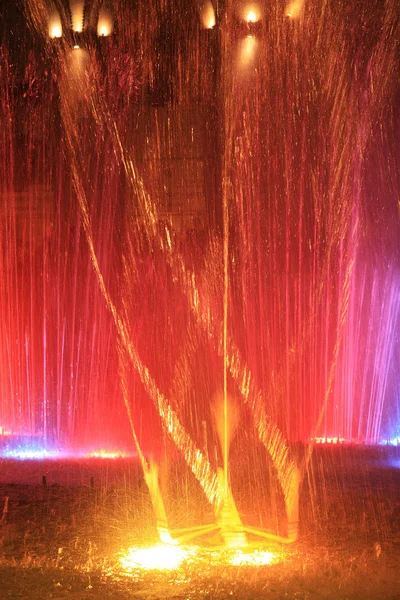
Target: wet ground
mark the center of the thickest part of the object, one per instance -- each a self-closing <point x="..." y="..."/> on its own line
<point x="64" y="536"/>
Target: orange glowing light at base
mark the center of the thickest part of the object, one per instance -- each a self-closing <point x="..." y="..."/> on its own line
<point x="162" y="557"/>
<point x="329" y="440"/>
<point x="257" y="558"/>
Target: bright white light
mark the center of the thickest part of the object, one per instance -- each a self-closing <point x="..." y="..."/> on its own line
<point x="159" y="557"/>
<point x="165" y="536"/>
<point x="76" y="47"/>
<point x="56" y="31"/>
<point x="395" y="441"/>
<point x="207" y="15"/>
<point x="251" y="17"/>
<point x="103" y="30"/>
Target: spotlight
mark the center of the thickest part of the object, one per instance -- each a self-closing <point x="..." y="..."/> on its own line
<point x="207" y="15"/>
<point x="249" y="17"/>
<point x="250" y="12"/>
<point x="55" y="27"/>
<point x="103" y="31"/>
<point x="294" y="9"/>
<point x="105" y="23"/>
<point x="56" y="31"/>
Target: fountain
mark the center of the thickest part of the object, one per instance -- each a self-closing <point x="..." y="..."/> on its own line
<point x="198" y="200"/>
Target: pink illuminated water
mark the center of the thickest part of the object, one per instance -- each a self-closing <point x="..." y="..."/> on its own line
<point x="116" y="162"/>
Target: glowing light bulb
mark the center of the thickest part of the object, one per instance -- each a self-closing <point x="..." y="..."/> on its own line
<point x="251" y="17"/>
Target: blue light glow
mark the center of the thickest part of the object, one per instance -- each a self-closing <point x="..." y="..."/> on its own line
<point x="30" y="453"/>
<point x="34" y="450"/>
